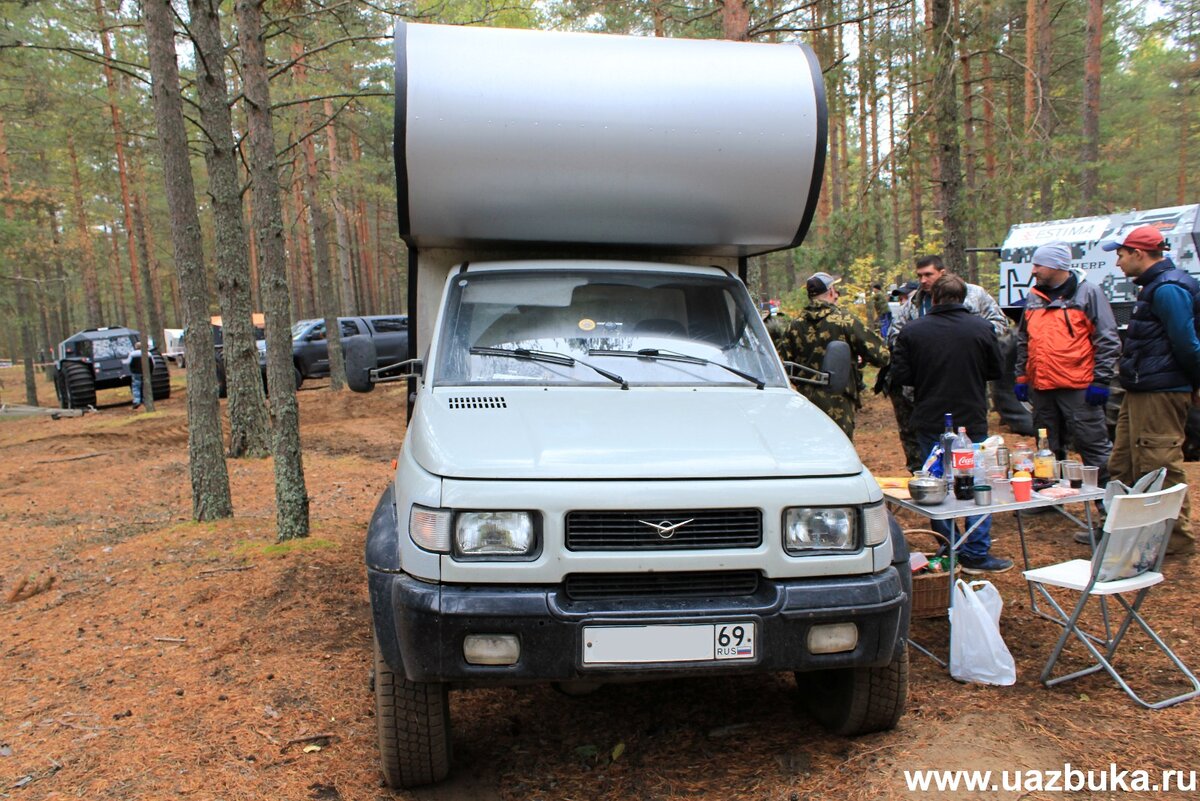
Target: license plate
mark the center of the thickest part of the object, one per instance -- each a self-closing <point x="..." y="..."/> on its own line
<point x="701" y="642"/>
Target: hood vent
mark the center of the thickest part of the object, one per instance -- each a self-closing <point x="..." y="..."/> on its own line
<point x="478" y="402"/>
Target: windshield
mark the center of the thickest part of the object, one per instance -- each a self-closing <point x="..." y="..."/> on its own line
<point x="115" y="348"/>
<point x="566" y="324"/>
<point x="300" y="326"/>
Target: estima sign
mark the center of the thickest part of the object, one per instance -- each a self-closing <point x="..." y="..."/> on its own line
<point x="1179" y="225"/>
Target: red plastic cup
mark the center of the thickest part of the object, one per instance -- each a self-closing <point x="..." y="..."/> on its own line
<point x="1022" y="489"/>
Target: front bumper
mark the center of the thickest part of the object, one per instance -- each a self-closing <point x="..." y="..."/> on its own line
<point x="421" y="627"/>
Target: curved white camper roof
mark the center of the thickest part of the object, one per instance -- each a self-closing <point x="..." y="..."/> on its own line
<point x="666" y="145"/>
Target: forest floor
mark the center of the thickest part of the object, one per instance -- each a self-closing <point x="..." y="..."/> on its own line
<point x="144" y="656"/>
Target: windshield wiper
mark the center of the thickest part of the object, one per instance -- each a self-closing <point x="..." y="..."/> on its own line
<point x="672" y="356"/>
<point x="547" y="357"/>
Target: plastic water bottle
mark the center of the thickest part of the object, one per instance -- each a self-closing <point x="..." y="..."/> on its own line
<point x="947" y="443"/>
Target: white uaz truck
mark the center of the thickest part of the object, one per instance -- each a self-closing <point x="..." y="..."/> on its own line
<point x="607" y="475"/>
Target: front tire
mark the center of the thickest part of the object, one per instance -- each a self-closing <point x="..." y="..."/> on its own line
<point x="79" y="385"/>
<point x="855" y="701"/>
<point x="413" y="719"/>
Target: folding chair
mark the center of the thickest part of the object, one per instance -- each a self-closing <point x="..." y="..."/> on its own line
<point x="1128" y="559"/>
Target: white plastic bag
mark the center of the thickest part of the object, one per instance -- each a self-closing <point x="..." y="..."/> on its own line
<point x="977" y="651"/>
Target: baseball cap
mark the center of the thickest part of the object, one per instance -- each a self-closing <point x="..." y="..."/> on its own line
<point x="1144" y="237"/>
<point x="820" y="283"/>
<point x="906" y="288"/>
<point x="1055" y="255"/>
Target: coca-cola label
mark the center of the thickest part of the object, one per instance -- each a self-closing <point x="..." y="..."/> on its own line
<point x="963" y="460"/>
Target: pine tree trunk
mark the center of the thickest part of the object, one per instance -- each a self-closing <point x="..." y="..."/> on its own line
<point x="291" y="497"/>
<point x="153" y="280"/>
<point x="206" y="460"/>
<point x="370" y="274"/>
<point x="248" y="422"/>
<point x="119" y="148"/>
<point x="28" y="345"/>
<point x="342" y="226"/>
<point x="91" y="284"/>
<point x="143" y="309"/>
<point x="118" y="280"/>
<point x="304" y="269"/>
<point x="946" y="124"/>
<point x="735" y="20"/>
<point x="1089" y="184"/>
<point x="62" y="323"/>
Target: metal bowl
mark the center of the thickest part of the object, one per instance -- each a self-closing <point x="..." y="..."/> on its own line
<point x="927" y="490"/>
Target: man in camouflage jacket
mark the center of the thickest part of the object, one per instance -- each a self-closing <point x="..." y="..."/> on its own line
<point x="807" y="338"/>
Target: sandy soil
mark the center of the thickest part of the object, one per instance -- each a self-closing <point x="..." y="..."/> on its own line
<point x="143" y="656"/>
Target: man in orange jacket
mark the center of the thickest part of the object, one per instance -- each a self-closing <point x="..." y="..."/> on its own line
<point x="1067" y="348"/>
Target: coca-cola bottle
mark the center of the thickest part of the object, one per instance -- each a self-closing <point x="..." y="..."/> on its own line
<point x="963" y="455"/>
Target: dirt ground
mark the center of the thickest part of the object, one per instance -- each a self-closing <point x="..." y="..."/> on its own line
<point x="144" y="656"/>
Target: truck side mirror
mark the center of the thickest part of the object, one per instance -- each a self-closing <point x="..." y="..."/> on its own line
<point x="834" y="375"/>
<point x="838" y="364"/>
<point x="360" y="361"/>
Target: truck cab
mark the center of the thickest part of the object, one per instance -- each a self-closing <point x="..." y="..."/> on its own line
<point x="607" y="475"/>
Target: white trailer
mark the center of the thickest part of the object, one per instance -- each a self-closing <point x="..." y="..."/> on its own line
<point x="607" y="475"/>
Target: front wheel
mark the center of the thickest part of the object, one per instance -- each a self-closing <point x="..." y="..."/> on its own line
<point x="413" y="719"/>
<point x="854" y="701"/>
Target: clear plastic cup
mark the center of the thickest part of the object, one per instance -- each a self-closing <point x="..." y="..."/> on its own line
<point x="1091" y="476"/>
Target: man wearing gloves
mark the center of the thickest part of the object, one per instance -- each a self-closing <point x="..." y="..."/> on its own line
<point x="1067" y="348"/>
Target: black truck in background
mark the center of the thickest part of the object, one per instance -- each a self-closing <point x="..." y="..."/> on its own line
<point x="310" y="345"/>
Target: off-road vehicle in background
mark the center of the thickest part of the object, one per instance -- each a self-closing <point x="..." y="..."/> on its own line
<point x="98" y="358"/>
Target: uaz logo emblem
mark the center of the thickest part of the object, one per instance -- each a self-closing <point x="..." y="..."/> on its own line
<point x="666" y="529"/>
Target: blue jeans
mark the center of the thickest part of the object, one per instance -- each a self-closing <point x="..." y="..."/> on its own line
<point x="136" y="387"/>
<point x="979" y="543"/>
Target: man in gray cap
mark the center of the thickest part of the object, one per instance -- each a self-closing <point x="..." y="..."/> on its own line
<point x="1067" y="348"/>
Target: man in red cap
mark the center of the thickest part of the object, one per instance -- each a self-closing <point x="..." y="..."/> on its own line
<point x="1159" y="369"/>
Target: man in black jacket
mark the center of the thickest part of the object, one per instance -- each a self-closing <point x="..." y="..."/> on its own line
<point x="948" y="356"/>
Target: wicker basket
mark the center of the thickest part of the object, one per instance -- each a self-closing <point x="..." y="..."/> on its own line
<point x="931" y="591"/>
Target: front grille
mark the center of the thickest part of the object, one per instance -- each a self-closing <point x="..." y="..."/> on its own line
<point x="712" y="584"/>
<point x="624" y="530"/>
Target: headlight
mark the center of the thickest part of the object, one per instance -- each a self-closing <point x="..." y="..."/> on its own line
<point x="826" y="529"/>
<point x="430" y="528"/>
<point x="494" y="534"/>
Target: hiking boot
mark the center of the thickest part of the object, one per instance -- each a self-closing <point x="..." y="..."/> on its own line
<point x="988" y="564"/>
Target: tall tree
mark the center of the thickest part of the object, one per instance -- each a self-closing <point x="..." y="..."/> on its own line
<point x="1090" y="155"/>
<point x="326" y="289"/>
<point x="114" y="110"/>
<point x="340" y="214"/>
<point x="291" y="497"/>
<point x="91" y="283"/>
<point x="946" y="126"/>
<point x="210" y="479"/>
<point x="248" y="421"/>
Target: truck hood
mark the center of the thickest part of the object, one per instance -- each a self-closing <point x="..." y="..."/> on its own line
<point x="645" y="432"/>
